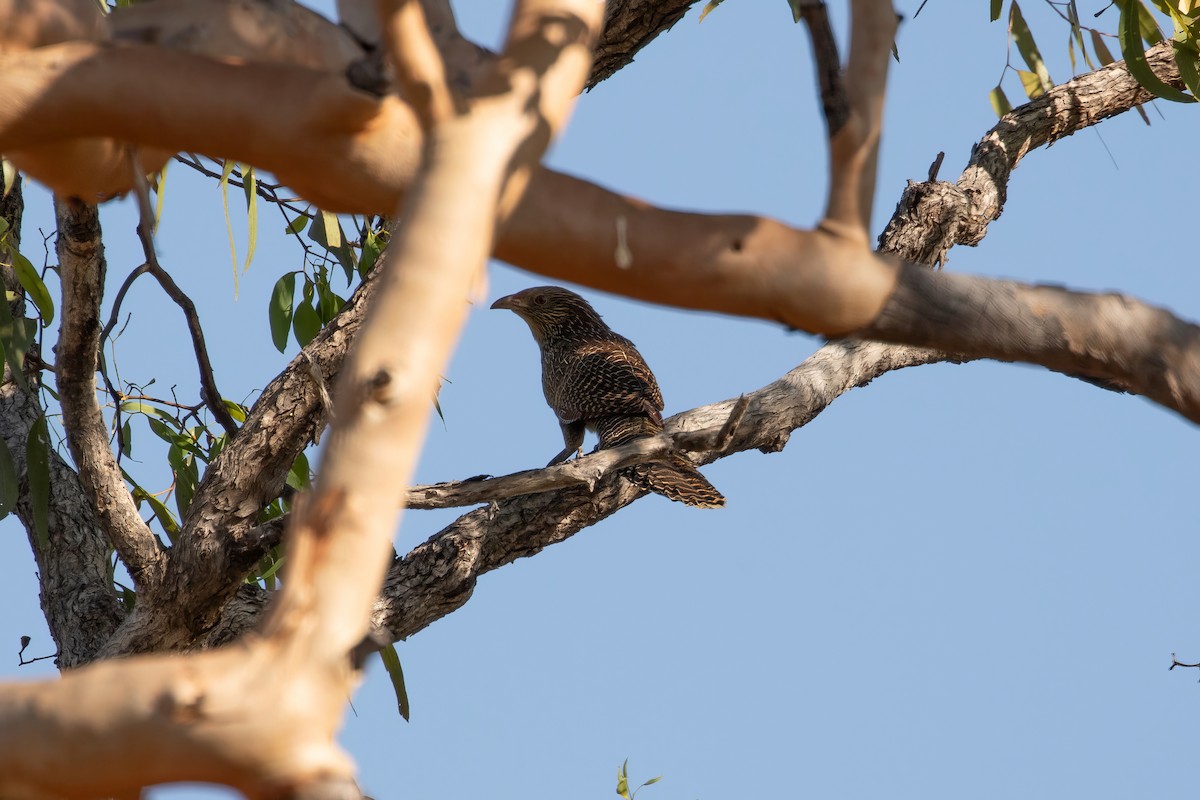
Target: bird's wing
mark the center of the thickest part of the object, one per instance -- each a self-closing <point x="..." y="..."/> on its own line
<point x="606" y="377"/>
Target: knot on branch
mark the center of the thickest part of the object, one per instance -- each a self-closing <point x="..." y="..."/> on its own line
<point x="930" y="219"/>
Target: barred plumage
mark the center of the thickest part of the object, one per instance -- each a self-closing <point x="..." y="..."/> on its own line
<point x="595" y="379"/>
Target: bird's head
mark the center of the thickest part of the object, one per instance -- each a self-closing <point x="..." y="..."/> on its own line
<point x="552" y="311"/>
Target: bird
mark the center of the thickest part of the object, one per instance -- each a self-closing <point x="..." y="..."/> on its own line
<point x="595" y="379"/>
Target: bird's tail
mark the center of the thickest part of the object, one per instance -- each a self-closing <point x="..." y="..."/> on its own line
<point x="676" y="480"/>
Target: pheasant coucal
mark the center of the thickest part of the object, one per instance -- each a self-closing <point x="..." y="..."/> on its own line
<point x="595" y="379"/>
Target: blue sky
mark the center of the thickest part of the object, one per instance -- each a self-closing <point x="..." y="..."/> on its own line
<point x="960" y="580"/>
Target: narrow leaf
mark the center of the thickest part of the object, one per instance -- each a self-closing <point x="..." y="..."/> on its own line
<point x="391" y="662"/>
<point x="37" y="468"/>
<point x="1147" y="26"/>
<point x="297" y="226"/>
<point x="1077" y="32"/>
<point x="1189" y="70"/>
<point x="280" y="311"/>
<point x="224" y="184"/>
<point x="327" y="232"/>
<point x="999" y="102"/>
<point x="1130" y="36"/>
<point x="300" y="475"/>
<point x="997" y="6"/>
<point x="159" y="186"/>
<point x="1031" y="83"/>
<point x="1102" y="51"/>
<point x="250" y="184"/>
<point x="14" y="342"/>
<point x="32" y="283"/>
<point x="306" y="323"/>
<point x="797" y="6"/>
<point x="9" y="481"/>
<point x="333" y="230"/>
<point x="1023" y="38"/>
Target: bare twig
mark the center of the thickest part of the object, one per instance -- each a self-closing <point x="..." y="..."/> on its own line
<point x="834" y="101"/>
<point x="208" y="385"/>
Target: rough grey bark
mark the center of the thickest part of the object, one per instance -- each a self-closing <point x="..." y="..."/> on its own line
<point x="220" y="541"/>
<point x="77" y="596"/>
<point x="81" y="268"/>
<point x="933" y="216"/>
<point x="630" y="25"/>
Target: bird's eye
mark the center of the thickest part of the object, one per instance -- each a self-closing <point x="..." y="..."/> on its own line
<point x="539" y="299"/>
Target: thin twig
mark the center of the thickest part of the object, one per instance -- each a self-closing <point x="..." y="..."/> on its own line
<point x="208" y="384"/>
<point x="830" y="77"/>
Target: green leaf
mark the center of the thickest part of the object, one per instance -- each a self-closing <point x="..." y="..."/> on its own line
<point x="1023" y="38"/>
<point x="127" y="437"/>
<point x="224" y="184"/>
<point x="329" y="302"/>
<point x="31" y="282"/>
<point x="999" y="102"/>
<point x="1130" y="36"/>
<point x="1189" y="69"/>
<point x="9" y="481"/>
<point x="236" y="410"/>
<point x="391" y="662"/>
<point x="1077" y="34"/>
<point x="712" y="4"/>
<point x="796" y="6"/>
<point x="300" y="475"/>
<point x="1147" y="27"/>
<point x="306" y="323"/>
<point x="297" y="226"/>
<point x="1031" y="83"/>
<point x="165" y="518"/>
<point x="653" y="781"/>
<point x="327" y="232"/>
<point x="997" y="7"/>
<point x="15" y="338"/>
<point x="187" y="475"/>
<point x="280" y="311"/>
<point x="37" y="469"/>
<point x="371" y="247"/>
<point x="250" y="184"/>
<point x="623" y="780"/>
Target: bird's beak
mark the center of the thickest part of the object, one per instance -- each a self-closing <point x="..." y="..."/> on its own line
<point x="509" y="302"/>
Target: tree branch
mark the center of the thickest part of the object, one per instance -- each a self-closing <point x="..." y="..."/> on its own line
<point x="77" y="596"/>
<point x="209" y="394"/>
<point x="81" y="261"/>
<point x="586" y="471"/>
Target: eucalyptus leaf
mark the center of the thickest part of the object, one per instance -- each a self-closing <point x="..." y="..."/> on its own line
<point x="279" y="313"/>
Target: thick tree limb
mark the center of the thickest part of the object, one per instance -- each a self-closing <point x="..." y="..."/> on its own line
<point x="290" y="403"/>
<point x="630" y="25"/>
<point x="186" y="718"/>
<point x="77" y="596"/>
<point x="82" y="266"/>
<point x="439" y="576"/>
